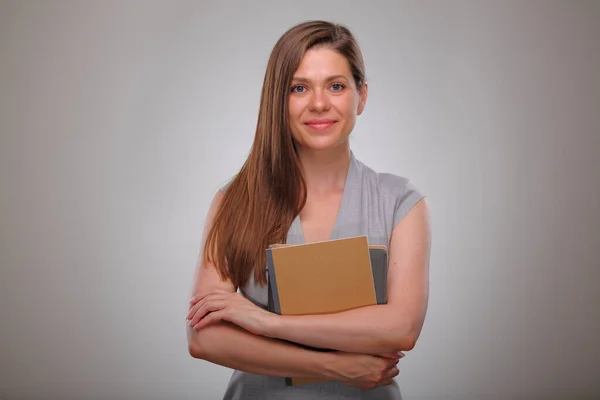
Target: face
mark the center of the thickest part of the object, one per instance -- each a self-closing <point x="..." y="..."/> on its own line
<point x="324" y="100"/>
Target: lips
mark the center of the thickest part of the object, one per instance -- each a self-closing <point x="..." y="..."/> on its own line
<point x="320" y="124"/>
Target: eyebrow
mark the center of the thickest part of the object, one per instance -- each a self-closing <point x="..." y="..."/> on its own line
<point x="329" y="78"/>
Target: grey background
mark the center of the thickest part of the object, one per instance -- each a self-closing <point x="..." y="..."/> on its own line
<point x="119" y="120"/>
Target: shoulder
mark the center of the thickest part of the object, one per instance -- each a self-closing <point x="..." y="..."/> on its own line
<point x="386" y="183"/>
<point x="395" y="192"/>
<point x="223" y="188"/>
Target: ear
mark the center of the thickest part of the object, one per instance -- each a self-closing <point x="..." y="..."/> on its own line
<point x="362" y="99"/>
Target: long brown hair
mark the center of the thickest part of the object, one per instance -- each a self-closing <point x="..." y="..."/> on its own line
<point x="261" y="202"/>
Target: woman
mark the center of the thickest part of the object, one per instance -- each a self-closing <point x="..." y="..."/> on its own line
<point x="301" y="183"/>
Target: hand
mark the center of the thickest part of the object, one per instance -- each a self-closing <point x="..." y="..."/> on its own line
<point x="232" y="307"/>
<point x="366" y="371"/>
<point x="393" y="356"/>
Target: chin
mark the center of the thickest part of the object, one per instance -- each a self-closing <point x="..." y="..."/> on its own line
<point x="323" y="143"/>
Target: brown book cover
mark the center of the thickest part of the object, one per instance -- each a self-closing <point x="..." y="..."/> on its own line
<point x="325" y="277"/>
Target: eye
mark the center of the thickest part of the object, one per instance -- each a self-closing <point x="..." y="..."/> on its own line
<point x="298" y="89"/>
<point x="337" y="87"/>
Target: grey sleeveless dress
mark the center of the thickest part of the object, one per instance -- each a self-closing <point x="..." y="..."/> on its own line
<point x="372" y="204"/>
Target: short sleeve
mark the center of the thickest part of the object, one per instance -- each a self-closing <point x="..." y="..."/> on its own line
<point x="410" y="196"/>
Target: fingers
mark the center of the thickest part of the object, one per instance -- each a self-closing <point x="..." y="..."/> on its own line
<point x="196" y="298"/>
<point x="394" y="356"/>
<point x="390" y="362"/>
<point x="392" y="372"/>
<point x="208" y="307"/>
<point x="388" y="377"/>
<point x="391" y="356"/>
<point x="210" y="318"/>
<point x="197" y="304"/>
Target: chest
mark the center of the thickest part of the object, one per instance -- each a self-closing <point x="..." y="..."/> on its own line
<point x="319" y="215"/>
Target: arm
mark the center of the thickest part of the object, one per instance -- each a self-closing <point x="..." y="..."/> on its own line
<point x="392" y="327"/>
<point x="230" y="346"/>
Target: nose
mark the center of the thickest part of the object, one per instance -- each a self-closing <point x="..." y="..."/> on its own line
<point x="319" y="101"/>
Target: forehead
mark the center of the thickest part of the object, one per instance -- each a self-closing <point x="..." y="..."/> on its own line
<point x="322" y="62"/>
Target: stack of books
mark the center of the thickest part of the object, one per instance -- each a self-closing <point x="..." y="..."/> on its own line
<point x="326" y="277"/>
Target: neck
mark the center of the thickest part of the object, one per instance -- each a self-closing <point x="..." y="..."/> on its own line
<point x="325" y="170"/>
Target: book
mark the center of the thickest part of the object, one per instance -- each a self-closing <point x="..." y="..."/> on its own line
<point x="325" y="277"/>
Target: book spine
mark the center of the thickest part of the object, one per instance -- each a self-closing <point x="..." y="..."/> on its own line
<point x="272" y="285"/>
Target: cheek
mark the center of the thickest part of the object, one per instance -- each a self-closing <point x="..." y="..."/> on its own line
<point x="294" y="111"/>
<point x="348" y="107"/>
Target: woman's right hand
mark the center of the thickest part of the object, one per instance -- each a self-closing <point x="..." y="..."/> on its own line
<point x="367" y="371"/>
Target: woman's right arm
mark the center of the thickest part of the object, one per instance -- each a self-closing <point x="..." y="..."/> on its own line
<point x="230" y="346"/>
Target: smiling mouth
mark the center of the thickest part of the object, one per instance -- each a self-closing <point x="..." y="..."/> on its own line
<point x="320" y="125"/>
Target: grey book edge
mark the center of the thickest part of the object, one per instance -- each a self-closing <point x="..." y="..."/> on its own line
<point x="379" y="268"/>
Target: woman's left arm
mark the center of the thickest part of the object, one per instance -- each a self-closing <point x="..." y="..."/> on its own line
<point x="385" y="328"/>
<point x="379" y="329"/>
